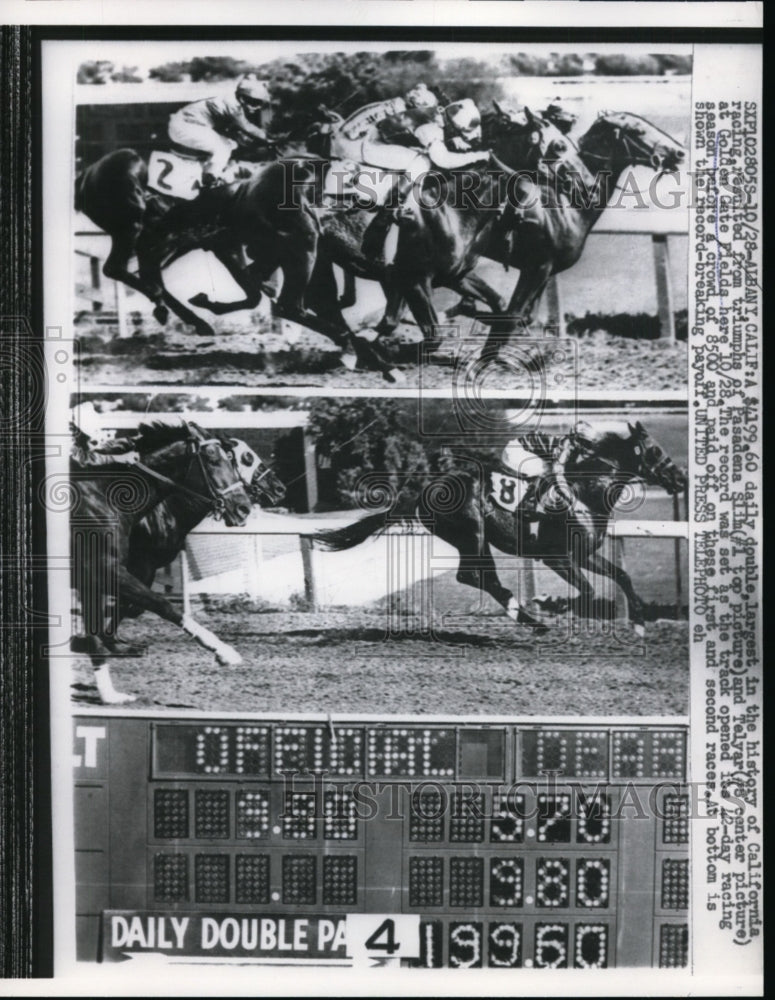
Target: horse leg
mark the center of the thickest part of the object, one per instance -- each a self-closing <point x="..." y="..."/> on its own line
<point x="419" y="297"/>
<point x="569" y="571"/>
<point x="124" y="246"/>
<point x="358" y="349"/>
<point x="297" y="255"/>
<point x="394" y="304"/>
<point x="134" y="591"/>
<point x="476" y="567"/>
<point x="243" y="275"/>
<point x="347" y="298"/>
<point x="93" y="599"/>
<point x="596" y="562"/>
<point x="473" y="285"/>
<point x="527" y="294"/>
<point x="150" y="269"/>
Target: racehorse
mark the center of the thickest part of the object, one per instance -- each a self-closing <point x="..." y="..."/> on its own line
<point x="553" y="223"/>
<point x="521" y="210"/>
<point x="267" y="213"/>
<point x="159" y="536"/>
<point x="459" y="508"/>
<point x="111" y="499"/>
<point x="544" y="226"/>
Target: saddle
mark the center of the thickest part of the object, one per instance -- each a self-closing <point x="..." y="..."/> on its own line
<point x="351" y="185"/>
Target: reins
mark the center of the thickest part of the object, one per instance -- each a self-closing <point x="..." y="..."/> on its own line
<point x="216" y="498"/>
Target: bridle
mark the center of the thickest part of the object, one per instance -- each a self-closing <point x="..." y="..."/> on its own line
<point x="260" y="474"/>
<point x="635" y="149"/>
<point x="659" y="468"/>
<point x="216" y="500"/>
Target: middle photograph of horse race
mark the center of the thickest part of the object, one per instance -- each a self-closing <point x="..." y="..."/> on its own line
<point x="372" y="216"/>
<point x="345" y="553"/>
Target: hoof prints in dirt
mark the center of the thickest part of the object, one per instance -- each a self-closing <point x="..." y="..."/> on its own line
<point x="343" y="662"/>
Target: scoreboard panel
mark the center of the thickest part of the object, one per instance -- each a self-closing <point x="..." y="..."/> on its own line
<point x="530" y="844"/>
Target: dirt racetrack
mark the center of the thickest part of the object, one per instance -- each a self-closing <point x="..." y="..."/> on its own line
<point x="342" y="661"/>
<point x="243" y="357"/>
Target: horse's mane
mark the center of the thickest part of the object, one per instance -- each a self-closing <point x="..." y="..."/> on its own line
<point x="154" y="434"/>
<point x="608" y="115"/>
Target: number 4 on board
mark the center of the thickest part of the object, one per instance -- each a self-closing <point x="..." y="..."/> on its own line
<point x="384" y="938"/>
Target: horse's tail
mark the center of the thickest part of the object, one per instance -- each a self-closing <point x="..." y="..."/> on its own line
<point x="336" y="540"/>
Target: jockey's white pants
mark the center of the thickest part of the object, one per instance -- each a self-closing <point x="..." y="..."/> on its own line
<point x="204" y="140"/>
<point x="399" y="159"/>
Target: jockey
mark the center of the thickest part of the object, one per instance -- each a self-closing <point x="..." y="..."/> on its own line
<point x="447" y="141"/>
<point x="375" y="122"/>
<point x="539" y="462"/>
<point x="92" y="445"/>
<point x="219" y="125"/>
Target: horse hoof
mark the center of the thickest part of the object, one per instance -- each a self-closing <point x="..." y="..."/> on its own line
<point x="447" y="358"/>
<point x="118" y="698"/>
<point x="639" y="630"/>
<point x="395" y="375"/>
<point x="161" y="314"/>
<point x="350" y="360"/>
<point x="229" y="658"/>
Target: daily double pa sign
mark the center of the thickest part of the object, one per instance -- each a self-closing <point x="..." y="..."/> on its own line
<point x="374" y="939"/>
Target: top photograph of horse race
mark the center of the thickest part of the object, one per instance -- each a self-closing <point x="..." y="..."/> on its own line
<point x="375" y="216"/>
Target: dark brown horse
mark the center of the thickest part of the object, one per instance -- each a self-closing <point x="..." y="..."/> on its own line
<point x="555" y="220"/>
<point x="267" y="214"/>
<point x="543" y="228"/>
<point x="111" y="500"/>
<point x="459" y="508"/>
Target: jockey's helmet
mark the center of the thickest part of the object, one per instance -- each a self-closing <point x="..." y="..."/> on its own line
<point x="464" y="119"/>
<point x="585" y="435"/>
<point x="252" y="93"/>
<point x="421" y="97"/>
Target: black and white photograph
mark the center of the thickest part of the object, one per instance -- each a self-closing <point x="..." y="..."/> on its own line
<point x="276" y="215"/>
<point x="370" y="548"/>
<point x="395" y="491"/>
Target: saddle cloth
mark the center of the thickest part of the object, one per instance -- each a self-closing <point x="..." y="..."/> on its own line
<point x="174" y="174"/>
<point x="367" y="182"/>
<point x="507" y="491"/>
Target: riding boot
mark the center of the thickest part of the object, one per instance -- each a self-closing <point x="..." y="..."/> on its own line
<point x="529" y="510"/>
<point x="387" y="215"/>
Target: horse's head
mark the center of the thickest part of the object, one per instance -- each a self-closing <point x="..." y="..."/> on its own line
<point x="516" y="136"/>
<point x="219" y="477"/>
<point x="198" y="462"/>
<point x="626" y="139"/>
<point x="319" y="134"/>
<point x="652" y="464"/>
<point x="260" y="480"/>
